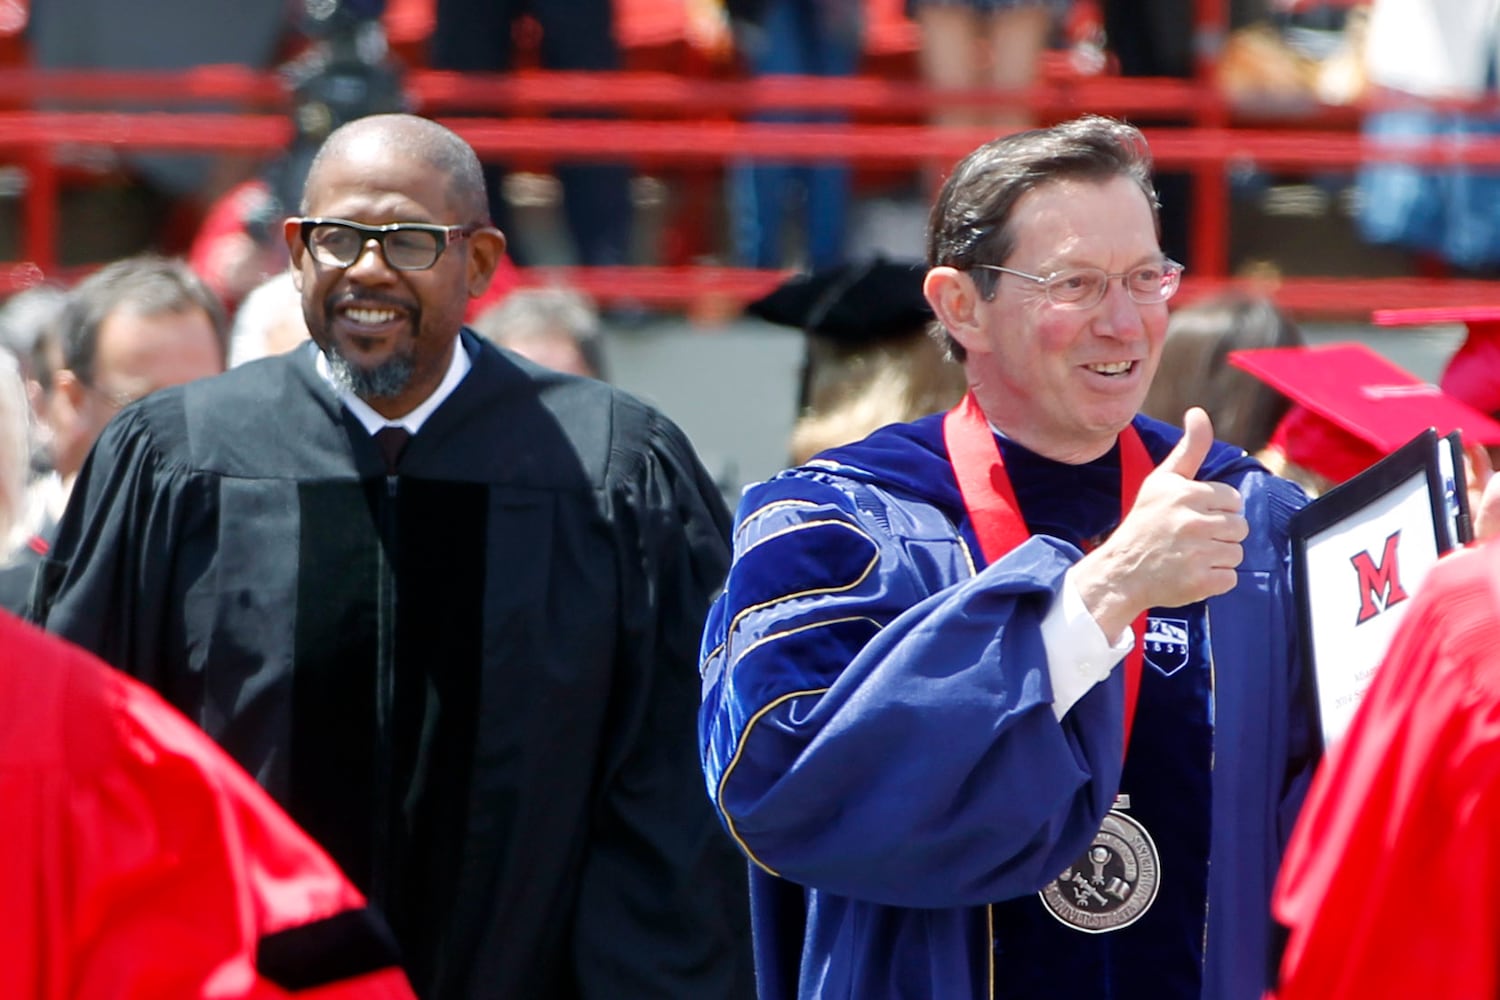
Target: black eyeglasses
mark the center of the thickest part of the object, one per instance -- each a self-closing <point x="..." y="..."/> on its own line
<point x="406" y="246"/>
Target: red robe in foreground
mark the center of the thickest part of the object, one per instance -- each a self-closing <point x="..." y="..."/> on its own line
<point x="1390" y="884"/>
<point x="137" y="860"/>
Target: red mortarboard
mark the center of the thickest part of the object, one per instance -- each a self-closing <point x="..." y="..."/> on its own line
<point x="1354" y="407"/>
<point x="1473" y="373"/>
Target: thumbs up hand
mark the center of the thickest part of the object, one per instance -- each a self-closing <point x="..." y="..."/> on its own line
<point x="1198" y="437"/>
<point x="1484" y="492"/>
<point x="1179" y="544"/>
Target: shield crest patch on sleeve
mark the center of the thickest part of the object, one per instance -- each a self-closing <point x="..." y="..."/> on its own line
<point x="1166" y="643"/>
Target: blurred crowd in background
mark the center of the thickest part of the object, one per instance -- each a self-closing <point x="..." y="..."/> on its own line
<point x="1404" y="71"/>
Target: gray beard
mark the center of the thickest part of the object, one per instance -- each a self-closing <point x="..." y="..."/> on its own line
<point x="384" y="381"/>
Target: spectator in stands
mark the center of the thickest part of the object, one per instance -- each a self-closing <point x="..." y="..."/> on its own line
<point x="870" y="359"/>
<point x="444" y="606"/>
<point x="1154" y="38"/>
<point x="554" y="327"/>
<point x="162" y="35"/>
<point x="1195" y="368"/>
<point x="479" y="36"/>
<point x="1426" y="58"/>
<point x="235" y="248"/>
<point x="804" y="38"/>
<point x="269" y="321"/>
<point x="134" y="326"/>
<point x="344" y="74"/>
<point x="984" y="44"/>
<point x="140" y="861"/>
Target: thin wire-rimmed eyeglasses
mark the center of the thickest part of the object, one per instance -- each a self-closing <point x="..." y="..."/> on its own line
<point x="406" y="246"/>
<point x="117" y="400"/>
<point x="1084" y="287"/>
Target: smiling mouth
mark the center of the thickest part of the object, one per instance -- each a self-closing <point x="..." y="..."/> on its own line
<point x="1112" y="368"/>
<point x="371" y="317"/>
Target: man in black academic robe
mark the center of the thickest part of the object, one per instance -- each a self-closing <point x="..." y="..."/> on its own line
<point x="469" y="673"/>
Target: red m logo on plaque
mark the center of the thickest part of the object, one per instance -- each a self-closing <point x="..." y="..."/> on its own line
<point x="1379" y="583"/>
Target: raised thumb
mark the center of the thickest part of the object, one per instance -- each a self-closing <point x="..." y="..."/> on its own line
<point x="1185" y="459"/>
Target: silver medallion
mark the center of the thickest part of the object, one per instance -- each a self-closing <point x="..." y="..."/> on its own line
<point x="1112" y="884"/>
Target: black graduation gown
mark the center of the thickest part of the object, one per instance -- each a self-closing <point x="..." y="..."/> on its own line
<point x="473" y="682"/>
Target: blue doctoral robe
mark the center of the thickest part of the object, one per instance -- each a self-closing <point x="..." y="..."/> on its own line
<point x="878" y="737"/>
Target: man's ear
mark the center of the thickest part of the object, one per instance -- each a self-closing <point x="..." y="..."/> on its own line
<point x="955" y="301"/>
<point x="68" y="388"/>
<point x="486" y="247"/>
<point x="291" y="231"/>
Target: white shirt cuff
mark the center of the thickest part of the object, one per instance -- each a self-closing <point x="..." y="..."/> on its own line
<point x="1079" y="654"/>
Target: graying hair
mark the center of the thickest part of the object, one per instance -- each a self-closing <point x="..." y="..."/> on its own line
<point x="145" y="285"/>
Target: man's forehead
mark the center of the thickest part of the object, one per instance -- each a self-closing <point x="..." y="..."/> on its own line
<point x="1065" y="191"/>
<point x="147" y="343"/>
<point x="371" y="143"/>
<point x="132" y="318"/>
<point x="381" y="185"/>
<point x="1072" y="211"/>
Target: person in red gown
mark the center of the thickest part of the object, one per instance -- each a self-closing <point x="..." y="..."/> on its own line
<point x="1388" y="886"/>
<point x="140" y="861"/>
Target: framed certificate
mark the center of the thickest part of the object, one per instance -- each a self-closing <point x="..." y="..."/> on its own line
<point x="1358" y="554"/>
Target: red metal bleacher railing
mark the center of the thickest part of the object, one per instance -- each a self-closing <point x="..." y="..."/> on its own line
<point x="676" y="121"/>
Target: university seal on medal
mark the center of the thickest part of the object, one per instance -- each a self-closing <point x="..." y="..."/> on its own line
<point x="1112" y="884"/>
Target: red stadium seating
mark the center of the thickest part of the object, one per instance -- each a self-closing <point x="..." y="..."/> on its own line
<point x="685" y="120"/>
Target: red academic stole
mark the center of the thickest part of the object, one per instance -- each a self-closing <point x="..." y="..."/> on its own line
<point x="992" y="507"/>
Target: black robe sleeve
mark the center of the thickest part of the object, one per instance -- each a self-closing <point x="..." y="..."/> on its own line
<point x="109" y="580"/>
<point x="659" y="864"/>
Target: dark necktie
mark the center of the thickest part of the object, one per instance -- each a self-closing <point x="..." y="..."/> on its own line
<point x="392" y="441"/>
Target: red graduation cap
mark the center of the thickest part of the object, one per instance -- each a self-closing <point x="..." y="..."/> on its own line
<point x="1353" y="407"/>
<point x="1473" y="373"/>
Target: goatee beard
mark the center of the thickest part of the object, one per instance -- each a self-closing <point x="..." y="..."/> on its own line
<point x="385" y="381"/>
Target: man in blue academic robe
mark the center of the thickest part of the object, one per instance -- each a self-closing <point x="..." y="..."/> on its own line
<point x="1006" y="702"/>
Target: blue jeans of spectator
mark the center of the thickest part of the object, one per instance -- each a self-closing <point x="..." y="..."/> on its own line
<point x="475" y="36"/>
<point x="795" y="37"/>
<point x="1452" y="211"/>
